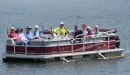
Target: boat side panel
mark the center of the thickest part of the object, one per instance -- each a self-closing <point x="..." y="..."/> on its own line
<point x="60" y="49"/>
<point x="9" y="49"/>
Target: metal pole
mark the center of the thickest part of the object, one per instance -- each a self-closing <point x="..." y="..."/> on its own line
<point x="83" y="43"/>
<point x="26" y="49"/>
<point x="14" y="49"/>
<point x="72" y="45"/>
<point x="108" y="42"/>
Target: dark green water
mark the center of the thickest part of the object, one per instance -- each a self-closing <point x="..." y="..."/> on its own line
<point x="105" y="13"/>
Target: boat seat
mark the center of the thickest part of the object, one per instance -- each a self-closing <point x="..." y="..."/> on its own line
<point x="10" y="41"/>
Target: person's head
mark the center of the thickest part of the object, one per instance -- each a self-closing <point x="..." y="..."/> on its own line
<point x="84" y="26"/>
<point x="76" y="28"/>
<point x="12" y="30"/>
<point x="36" y="28"/>
<point x="96" y="28"/>
<point x="28" y="29"/>
<point x="61" y="24"/>
<point x="89" y="28"/>
<point x="18" y="31"/>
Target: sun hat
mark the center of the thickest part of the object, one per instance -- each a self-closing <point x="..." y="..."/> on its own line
<point x="62" y="23"/>
<point x="88" y="27"/>
<point x="12" y="28"/>
<point x="19" y="29"/>
<point x="28" y="27"/>
<point x="96" y="26"/>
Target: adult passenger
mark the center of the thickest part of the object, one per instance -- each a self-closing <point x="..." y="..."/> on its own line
<point x="84" y="29"/>
<point x="78" y="34"/>
<point x="52" y="33"/>
<point x="61" y="30"/>
<point x="90" y="32"/>
<point x="36" y="32"/>
<point x="96" y="31"/>
<point x="21" y="35"/>
<point x="13" y="35"/>
<point x="29" y="35"/>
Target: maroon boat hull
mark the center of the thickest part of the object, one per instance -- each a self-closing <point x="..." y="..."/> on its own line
<point x="59" y="49"/>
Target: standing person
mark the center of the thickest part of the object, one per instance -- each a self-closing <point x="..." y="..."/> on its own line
<point x="29" y="35"/>
<point x="13" y="35"/>
<point x="61" y="30"/>
<point x="21" y="35"/>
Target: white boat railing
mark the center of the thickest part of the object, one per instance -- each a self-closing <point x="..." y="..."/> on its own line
<point x="94" y="41"/>
<point x="72" y="44"/>
<point x="108" y="42"/>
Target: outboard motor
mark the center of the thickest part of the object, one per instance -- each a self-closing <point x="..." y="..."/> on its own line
<point x="117" y="41"/>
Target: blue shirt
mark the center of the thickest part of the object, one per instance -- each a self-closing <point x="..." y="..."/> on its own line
<point x="29" y="35"/>
<point x="37" y="34"/>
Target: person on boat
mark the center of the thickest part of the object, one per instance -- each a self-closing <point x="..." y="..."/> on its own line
<point x="78" y="34"/>
<point x="29" y="35"/>
<point x="96" y="31"/>
<point x="37" y="32"/>
<point x="61" y="30"/>
<point x="52" y="33"/>
<point x="13" y="35"/>
<point x="21" y="35"/>
<point x="90" y="31"/>
<point x="87" y="30"/>
<point x="84" y="29"/>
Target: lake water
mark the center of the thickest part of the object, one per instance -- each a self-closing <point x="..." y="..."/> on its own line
<point x="105" y="13"/>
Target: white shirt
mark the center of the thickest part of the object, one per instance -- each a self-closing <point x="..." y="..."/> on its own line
<point x="85" y="32"/>
<point x="22" y="37"/>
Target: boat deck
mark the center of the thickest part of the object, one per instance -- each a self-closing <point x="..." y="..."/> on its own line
<point x="62" y="55"/>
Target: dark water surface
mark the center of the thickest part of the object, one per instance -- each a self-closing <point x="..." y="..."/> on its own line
<point x="105" y="13"/>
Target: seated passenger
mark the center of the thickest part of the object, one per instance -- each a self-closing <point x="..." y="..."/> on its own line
<point x="84" y="27"/>
<point x="96" y="31"/>
<point x="21" y="35"/>
<point x="36" y="32"/>
<point x="61" y="30"/>
<point x="29" y="35"/>
<point x="78" y="34"/>
<point x="13" y="35"/>
<point x="90" y="32"/>
<point x="52" y="33"/>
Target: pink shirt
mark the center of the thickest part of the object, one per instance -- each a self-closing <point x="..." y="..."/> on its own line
<point x="14" y="36"/>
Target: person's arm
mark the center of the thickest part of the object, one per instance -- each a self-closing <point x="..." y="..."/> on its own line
<point x="67" y="31"/>
<point x="80" y="35"/>
<point x="60" y="32"/>
<point x="51" y="32"/>
<point x="8" y="30"/>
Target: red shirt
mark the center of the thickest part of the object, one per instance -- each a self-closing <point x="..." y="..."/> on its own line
<point x="90" y="32"/>
<point x="14" y="36"/>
